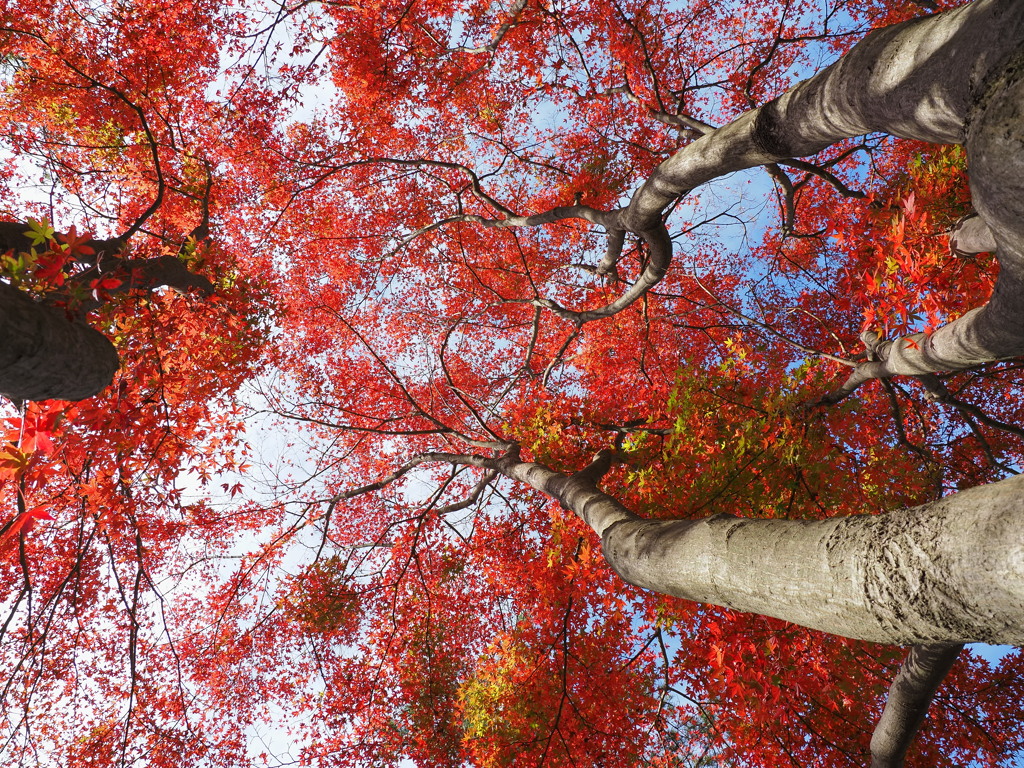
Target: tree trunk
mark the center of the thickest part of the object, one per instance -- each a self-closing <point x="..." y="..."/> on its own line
<point x="910" y="695"/>
<point x="44" y="356"/>
<point x="947" y="572"/>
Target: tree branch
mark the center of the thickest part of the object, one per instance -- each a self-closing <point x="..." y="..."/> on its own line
<point x="499" y="34"/>
<point x="924" y="669"/>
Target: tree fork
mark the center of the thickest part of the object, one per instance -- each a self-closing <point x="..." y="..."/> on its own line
<point x="950" y="78"/>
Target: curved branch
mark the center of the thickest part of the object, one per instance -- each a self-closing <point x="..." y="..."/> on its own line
<point x="460" y="459"/>
<point x="821" y="173"/>
<point x="922" y="93"/>
<point x="788" y="197"/>
<point x="683" y="122"/>
<point x="462" y="396"/>
<point x="659" y="259"/>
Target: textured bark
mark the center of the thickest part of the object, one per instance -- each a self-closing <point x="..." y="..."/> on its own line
<point x="924" y="669"/>
<point x="948" y="572"/>
<point x="936" y="576"/>
<point x="43" y="355"/>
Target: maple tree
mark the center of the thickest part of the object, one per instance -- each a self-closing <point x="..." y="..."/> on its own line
<point x="481" y="263"/>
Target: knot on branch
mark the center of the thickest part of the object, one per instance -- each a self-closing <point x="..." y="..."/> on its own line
<point x="770" y="134"/>
<point x="871" y="341"/>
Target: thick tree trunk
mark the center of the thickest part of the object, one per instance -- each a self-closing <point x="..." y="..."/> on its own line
<point x="44" y="356"/>
<point x="947" y="572"/>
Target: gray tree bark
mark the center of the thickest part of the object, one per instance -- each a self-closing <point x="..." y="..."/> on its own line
<point x="955" y="77"/>
<point x="44" y="355"/>
<point x="936" y="576"/>
<point x="905" y="709"/>
<point x="948" y="572"/>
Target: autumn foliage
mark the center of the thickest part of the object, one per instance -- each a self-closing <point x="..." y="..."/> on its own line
<point x="223" y="558"/>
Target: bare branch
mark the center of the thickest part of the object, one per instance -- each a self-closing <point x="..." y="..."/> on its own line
<point x="821" y="173"/>
<point x="686" y="123"/>
<point x="558" y="357"/>
<point x="788" y="197"/>
<point x="458" y="459"/>
<point x="462" y="395"/>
